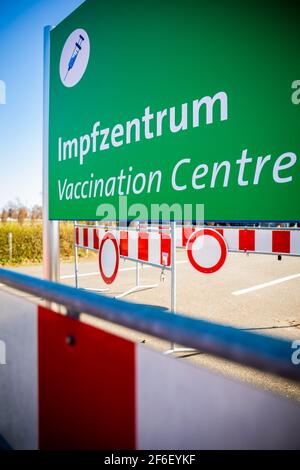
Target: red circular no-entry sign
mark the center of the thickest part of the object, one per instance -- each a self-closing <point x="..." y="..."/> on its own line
<point x="109" y="257"/>
<point x="206" y="250"/>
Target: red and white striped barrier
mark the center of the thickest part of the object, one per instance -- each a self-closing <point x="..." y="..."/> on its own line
<point x="268" y="241"/>
<point x="89" y="237"/>
<point x="153" y="244"/>
<point x="153" y="247"/>
<point x="150" y="247"/>
<point x="68" y="385"/>
<point x="262" y="240"/>
<point x="183" y="233"/>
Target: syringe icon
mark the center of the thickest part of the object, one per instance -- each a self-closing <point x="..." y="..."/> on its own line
<point x="77" y="49"/>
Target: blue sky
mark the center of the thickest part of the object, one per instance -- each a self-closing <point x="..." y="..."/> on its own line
<point x="21" y="119"/>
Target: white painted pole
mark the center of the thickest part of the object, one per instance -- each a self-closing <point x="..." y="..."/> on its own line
<point x="173" y="348"/>
<point x="50" y="227"/>
<point x="173" y="272"/>
<point x="137" y="275"/>
<point x="173" y="266"/>
<point x="76" y="257"/>
<point x="137" y="272"/>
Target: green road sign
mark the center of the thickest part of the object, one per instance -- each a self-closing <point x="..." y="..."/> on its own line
<point x="187" y="102"/>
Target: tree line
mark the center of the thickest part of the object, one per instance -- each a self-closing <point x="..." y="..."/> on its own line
<point x="16" y="211"/>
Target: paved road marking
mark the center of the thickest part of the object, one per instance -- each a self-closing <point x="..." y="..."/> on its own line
<point x="96" y="273"/>
<point x="71" y="276"/>
<point x="266" y="284"/>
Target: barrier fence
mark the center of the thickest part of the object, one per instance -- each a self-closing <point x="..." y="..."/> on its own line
<point x="142" y="244"/>
<point x="76" y="386"/>
<point x="262" y="240"/>
<point x="136" y="244"/>
<point x="155" y="245"/>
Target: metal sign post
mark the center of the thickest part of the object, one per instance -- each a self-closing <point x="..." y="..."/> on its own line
<point x="50" y="227"/>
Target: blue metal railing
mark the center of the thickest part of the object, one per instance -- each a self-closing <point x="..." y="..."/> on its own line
<point x="250" y="349"/>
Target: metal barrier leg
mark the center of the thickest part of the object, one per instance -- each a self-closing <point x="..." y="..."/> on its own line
<point x="138" y="286"/>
